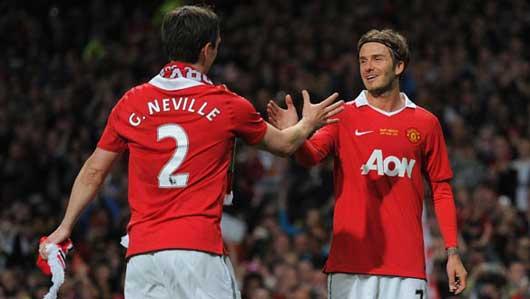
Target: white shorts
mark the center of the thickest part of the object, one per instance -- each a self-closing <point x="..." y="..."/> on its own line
<point x="180" y="274"/>
<point x="355" y="286"/>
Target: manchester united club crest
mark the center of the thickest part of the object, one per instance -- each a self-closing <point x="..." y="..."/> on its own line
<point x="413" y="135"/>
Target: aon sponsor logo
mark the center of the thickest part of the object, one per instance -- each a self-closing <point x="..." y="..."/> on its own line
<point x="390" y="166"/>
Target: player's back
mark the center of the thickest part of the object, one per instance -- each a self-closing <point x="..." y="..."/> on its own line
<point x="179" y="130"/>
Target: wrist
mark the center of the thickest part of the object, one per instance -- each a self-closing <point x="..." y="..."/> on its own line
<point x="65" y="228"/>
<point x="306" y="127"/>
<point x="452" y="251"/>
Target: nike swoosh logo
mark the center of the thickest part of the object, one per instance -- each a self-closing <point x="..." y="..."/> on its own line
<point x="361" y="133"/>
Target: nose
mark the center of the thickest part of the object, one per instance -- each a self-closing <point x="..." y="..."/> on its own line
<point x="367" y="67"/>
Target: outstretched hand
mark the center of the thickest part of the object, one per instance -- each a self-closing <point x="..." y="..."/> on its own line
<point x="316" y="115"/>
<point x="320" y="114"/>
<point x="282" y="118"/>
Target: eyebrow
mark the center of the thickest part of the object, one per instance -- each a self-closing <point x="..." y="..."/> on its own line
<point x="373" y="55"/>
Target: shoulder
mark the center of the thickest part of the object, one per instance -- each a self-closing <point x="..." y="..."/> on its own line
<point x="230" y="98"/>
<point x="426" y="116"/>
<point x="355" y="105"/>
<point x="421" y="115"/>
<point x="350" y="107"/>
<point x="223" y="90"/>
<point x="134" y="93"/>
<point x="132" y="99"/>
<point x="350" y="104"/>
<point x="428" y="123"/>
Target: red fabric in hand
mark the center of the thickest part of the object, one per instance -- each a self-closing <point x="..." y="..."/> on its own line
<point x="64" y="248"/>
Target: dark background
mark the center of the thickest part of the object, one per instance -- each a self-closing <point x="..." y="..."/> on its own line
<point x="63" y="65"/>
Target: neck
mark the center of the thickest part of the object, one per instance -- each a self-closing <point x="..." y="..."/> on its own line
<point x="389" y="100"/>
<point x="199" y="66"/>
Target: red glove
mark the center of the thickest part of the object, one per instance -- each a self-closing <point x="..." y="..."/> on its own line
<point x="64" y="248"/>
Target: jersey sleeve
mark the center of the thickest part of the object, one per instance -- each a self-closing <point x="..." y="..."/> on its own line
<point x="318" y="147"/>
<point x="437" y="166"/>
<point x="111" y="140"/>
<point x="247" y="123"/>
<point x="444" y="207"/>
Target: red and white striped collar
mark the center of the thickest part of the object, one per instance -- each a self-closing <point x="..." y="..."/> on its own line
<point x="178" y="75"/>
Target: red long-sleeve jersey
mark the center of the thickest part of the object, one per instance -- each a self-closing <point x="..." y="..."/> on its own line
<point x="381" y="160"/>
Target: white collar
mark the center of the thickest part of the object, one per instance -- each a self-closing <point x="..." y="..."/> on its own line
<point x="173" y="84"/>
<point x="177" y="75"/>
<point x="362" y="100"/>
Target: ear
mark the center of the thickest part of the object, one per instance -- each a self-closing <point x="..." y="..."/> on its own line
<point x="208" y="48"/>
<point x="399" y="68"/>
<point x="205" y="51"/>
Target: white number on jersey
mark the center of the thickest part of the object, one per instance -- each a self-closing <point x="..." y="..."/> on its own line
<point x="166" y="179"/>
<point x="382" y="166"/>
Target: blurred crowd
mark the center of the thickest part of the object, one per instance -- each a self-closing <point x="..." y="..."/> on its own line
<point x="64" y="66"/>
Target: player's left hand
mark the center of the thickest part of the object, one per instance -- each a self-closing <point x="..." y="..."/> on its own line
<point x="456" y="273"/>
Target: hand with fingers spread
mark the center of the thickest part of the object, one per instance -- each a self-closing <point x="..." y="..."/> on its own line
<point x="286" y="134"/>
<point x="318" y="115"/>
<point x="282" y="118"/>
<point x="456" y="273"/>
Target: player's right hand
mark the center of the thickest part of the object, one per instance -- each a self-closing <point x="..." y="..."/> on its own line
<point x="59" y="235"/>
<point x="318" y="115"/>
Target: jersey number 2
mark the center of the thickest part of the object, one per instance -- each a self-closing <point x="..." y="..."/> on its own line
<point x="166" y="178"/>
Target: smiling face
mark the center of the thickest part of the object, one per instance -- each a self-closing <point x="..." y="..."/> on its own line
<point x="379" y="72"/>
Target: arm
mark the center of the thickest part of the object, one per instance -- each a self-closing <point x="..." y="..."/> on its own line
<point x="287" y="141"/>
<point x="312" y="151"/>
<point x="316" y="149"/>
<point x="284" y="143"/>
<point x="445" y="210"/>
<point x="439" y="173"/>
<point x="86" y="185"/>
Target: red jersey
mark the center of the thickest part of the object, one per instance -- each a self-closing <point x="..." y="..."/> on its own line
<point x="380" y="161"/>
<point x="179" y="130"/>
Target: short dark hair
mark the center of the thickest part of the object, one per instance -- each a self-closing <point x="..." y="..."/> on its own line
<point x="186" y="30"/>
<point x="397" y="44"/>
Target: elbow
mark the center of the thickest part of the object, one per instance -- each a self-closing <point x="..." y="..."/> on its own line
<point x="92" y="176"/>
<point x="283" y="152"/>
